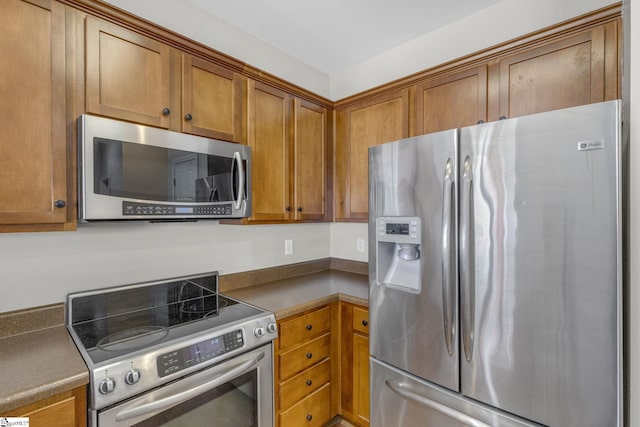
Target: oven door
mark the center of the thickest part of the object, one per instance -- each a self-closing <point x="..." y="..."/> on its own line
<point x="238" y="393"/>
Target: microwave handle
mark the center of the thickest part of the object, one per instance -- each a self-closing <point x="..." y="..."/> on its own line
<point x="237" y="160"/>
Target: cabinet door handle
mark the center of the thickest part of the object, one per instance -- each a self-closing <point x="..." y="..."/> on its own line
<point x="300" y="209"/>
<point x="309" y="382"/>
<point x="309" y="327"/>
<point x="188" y="117"/>
<point x="309" y="417"/>
<point x="288" y="209"/>
<point x="166" y="111"/>
<point x="309" y="355"/>
<point x="365" y="322"/>
<point x="59" y="204"/>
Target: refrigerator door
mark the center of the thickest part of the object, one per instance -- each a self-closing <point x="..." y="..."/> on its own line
<point x="399" y="399"/>
<point x="540" y="263"/>
<point x="413" y="301"/>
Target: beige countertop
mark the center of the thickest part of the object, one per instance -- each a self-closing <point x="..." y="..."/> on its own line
<point x="37" y="365"/>
<point x="294" y="295"/>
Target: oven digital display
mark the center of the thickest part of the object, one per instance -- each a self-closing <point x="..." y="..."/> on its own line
<point x="192" y="355"/>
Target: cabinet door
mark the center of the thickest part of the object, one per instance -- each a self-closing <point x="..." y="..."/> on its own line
<point x="361" y="378"/>
<point x="127" y="75"/>
<point x="211" y="100"/>
<point x="310" y="162"/>
<point x="67" y="409"/>
<point x="456" y="100"/>
<point x="268" y="119"/>
<point x="576" y="70"/>
<point x="358" y="127"/>
<point x="33" y="146"/>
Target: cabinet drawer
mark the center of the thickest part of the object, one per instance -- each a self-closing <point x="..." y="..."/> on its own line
<point x="361" y="320"/>
<point x="303" y="328"/>
<point x="315" y="410"/>
<point x="304" y="383"/>
<point x="300" y="358"/>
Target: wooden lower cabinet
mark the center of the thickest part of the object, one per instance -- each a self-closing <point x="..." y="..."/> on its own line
<point x="354" y="363"/>
<point x="68" y="409"/>
<point x="304" y="368"/>
<point x="313" y="410"/>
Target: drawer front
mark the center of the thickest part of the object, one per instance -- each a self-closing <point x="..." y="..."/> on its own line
<point x="300" y="358"/>
<point x="304" y="383"/>
<point x="361" y="320"/>
<point x="312" y="325"/>
<point x="313" y="411"/>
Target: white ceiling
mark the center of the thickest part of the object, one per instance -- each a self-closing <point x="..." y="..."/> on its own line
<point x="329" y="35"/>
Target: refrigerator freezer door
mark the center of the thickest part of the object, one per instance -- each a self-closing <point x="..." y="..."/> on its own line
<point x="414" y="327"/>
<point x="399" y="399"/>
<point x="540" y="279"/>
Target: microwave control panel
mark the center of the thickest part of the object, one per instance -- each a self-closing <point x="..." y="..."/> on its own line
<point x="155" y="209"/>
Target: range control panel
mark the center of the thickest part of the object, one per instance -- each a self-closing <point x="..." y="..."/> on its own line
<point x="155" y="209"/>
<point x="186" y="357"/>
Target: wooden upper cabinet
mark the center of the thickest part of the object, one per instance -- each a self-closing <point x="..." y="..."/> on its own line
<point x="127" y="74"/>
<point x="33" y="144"/>
<point x="268" y="135"/>
<point x="211" y="100"/>
<point x="576" y="70"/>
<point x="310" y="161"/>
<point x="382" y="119"/>
<point x="453" y="101"/>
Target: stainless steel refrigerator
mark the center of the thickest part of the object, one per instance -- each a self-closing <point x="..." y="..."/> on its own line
<point x="495" y="274"/>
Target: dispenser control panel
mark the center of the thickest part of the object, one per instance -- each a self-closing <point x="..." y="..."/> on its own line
<point x="399" y="229"/>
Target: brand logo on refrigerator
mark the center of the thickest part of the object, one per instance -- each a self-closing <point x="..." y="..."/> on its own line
<point x="591" y="145"/>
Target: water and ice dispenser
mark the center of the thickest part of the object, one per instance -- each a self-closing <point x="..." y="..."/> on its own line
<point x="398" y="247"/>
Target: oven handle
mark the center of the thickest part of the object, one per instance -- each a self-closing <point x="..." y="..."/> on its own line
<point x="187" y="394"/>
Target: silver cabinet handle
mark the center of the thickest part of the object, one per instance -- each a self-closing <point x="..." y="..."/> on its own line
<point x="238" y="161"/>
<point x="185" y="395"/>
<point x="448" y="254"/>
<point x="467" y="259"/>
<point x="408" y="393"/>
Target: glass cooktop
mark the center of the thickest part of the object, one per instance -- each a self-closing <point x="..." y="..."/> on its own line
<point x="113" y="322"/>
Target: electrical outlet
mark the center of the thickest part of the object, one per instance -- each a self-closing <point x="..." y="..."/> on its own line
<point x="288" y="247"/>
<point x="360" y="245"/>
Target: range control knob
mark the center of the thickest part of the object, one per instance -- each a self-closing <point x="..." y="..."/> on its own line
<point x="132" y="377"/>
<point x="107" y="385"/>
<point x="272" y="327"/>
<point x="259" y="332"/>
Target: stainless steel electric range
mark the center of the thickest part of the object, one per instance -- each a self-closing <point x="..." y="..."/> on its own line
<point x="174" y="352"/>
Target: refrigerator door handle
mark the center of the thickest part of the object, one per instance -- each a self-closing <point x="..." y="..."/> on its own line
<point x="409" y="393"/>
<point x="448" y="255"/>
<point x="467" y="257"/>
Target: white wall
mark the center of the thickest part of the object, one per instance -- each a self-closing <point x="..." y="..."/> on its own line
<point x="344" y="241"/>
<point x="41" y="268"/>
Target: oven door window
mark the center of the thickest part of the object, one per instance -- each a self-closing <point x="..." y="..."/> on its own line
<point x="233" y="404"/>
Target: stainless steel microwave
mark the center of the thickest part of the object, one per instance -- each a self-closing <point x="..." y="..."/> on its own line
<point x="135" y="172"/>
